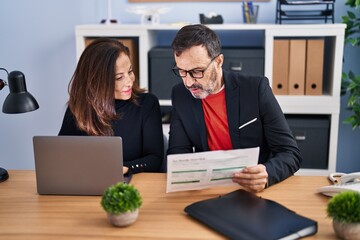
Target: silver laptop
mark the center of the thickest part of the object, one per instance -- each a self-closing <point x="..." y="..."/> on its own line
<point x="77" y="165"/>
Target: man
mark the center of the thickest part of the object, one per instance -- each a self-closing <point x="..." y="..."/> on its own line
<point x="219" y="110"/>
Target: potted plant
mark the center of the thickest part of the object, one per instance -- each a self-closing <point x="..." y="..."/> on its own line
<point x="351" y="81"/>
<point x="121" y="202"/>
<point x="344" y="209"/>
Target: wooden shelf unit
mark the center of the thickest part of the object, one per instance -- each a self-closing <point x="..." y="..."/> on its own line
<point x="326" y="104"/>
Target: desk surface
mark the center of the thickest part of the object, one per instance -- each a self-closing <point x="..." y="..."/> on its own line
<point x="26" y="215"/>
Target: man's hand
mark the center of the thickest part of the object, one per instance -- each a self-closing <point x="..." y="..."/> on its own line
<point x="253" y="178"/>
<point x="125" y="170"/>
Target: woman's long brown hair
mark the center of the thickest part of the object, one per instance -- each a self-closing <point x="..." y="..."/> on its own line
<point x="92" y="87"/>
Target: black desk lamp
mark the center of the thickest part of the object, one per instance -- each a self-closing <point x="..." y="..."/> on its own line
<point x="19" y="100"/>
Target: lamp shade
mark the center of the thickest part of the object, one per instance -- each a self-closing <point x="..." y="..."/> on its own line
<point x="19" y="99"/>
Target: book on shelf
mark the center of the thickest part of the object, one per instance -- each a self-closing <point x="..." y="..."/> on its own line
<point x="297" y="66"/>
<point x="280" y="84"/>
<point x="314" y="66"/>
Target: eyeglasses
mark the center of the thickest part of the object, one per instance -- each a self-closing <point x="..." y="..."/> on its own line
<point x="194" y="73"/>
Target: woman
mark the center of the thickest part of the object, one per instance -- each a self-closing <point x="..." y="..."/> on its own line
<point x="105" y="101"/>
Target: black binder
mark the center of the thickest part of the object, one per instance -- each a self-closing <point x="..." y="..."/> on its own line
<point x="243" y="215"/>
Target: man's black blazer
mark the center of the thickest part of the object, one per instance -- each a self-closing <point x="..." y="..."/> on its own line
<point x="247" y="98"/>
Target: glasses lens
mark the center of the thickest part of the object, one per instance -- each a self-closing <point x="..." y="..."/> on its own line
<point x="182" y="73"/>
<point x="196" y="74"/>
<point x="177" y="72"/>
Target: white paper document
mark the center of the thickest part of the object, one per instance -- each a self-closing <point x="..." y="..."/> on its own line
<point x="201" y="170"/>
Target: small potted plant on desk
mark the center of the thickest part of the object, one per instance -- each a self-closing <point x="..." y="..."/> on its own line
<point x="344" y="209"/>
<point x="121" y="202"/>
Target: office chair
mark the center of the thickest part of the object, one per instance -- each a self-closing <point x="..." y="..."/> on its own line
<point x="290" y="10"/>
<point x="163" y="168"/>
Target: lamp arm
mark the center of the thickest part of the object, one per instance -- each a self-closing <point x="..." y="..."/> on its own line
<point x="5" y="70"/>
<point x="3" y="83"/>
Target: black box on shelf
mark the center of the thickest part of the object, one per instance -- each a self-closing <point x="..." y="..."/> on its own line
<point x="161" y="61"/>
<point x="244" y="60"/>
<point x="312" y="136"/>
<point x="161" y="76"/>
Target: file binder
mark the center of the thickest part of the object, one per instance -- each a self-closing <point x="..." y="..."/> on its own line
<point x="243" y="215"/>
<point x="281" y="67"/>
<point x="314" y="66"/>
<point x="297" y="67"/>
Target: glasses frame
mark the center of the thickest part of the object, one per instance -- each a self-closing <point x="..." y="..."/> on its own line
<point x="176" y="70"/>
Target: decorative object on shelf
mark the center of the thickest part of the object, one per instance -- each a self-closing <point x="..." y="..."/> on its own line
<point x="121" y="202"/>
<point x="250" y="12"/>
<point x="109" y="19"/>
<point x="211" y="18"/>
<point x="304" y="10"/>
<point x="351" y="81"/>
<point x="344" y="209"/>
<point x="148" y="15"/>
<point x="19" y="100"/>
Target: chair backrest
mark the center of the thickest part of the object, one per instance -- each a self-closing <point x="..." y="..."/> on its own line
<point x="164" y="163"/>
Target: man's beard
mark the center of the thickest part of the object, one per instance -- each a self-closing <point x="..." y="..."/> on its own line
<point x="204" y="92"/>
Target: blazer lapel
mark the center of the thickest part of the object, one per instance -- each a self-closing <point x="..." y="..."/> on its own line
<point x="232" y="95"/>
<point x="200" y="121"/>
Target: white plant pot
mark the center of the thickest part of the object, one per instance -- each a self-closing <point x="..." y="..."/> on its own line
<point x="348" y="231"/>
<point x="123" y="219"/>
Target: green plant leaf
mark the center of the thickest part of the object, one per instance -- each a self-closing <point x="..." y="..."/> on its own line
<point x="120" y="198"/>
<point x="351" y="15"/>
<point x="344" y="207"/>
<point x="351" y="3"/>
<point x="351" y="83"/>
<point x="354" y="41"/>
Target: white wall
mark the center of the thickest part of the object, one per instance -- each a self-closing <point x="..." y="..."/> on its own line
<point x="37" y="38"/>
